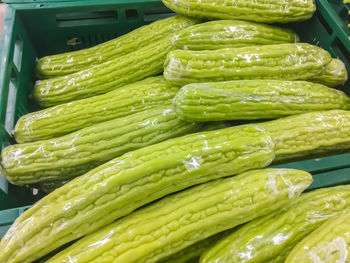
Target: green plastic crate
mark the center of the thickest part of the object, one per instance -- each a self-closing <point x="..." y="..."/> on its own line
<point x="35" y="28"/>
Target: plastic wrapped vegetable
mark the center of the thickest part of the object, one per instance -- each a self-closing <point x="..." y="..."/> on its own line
<point x="67" y="63"/>
<point x="298" y="61"/>
<point x="330" y="243"/>
<point x="66" y="118"/>
<point x="268" y="11"/>
<point x="310" y="134"/>
<point x="130" y="181"/>
<point x="272" y="237"/>
<point x="184" y="218"/>
<point x="335" y="74"/>
<point x="76" y="153"/>
<point x="115" y="73"/>
<point x="231" y="33"/>
<point x="192" y="253"/>
<point x="255" y="99"/>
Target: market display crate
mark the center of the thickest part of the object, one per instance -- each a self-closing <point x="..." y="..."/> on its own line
<point x="33" y="29"/>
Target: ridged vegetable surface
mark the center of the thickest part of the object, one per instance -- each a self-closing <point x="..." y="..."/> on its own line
<point x="330" y="243"/>
<point x="192" y="253"/>
<point x="255" y="99"/>
<point x="299" y="61"/>
<point x="187" y="217"/>
<point x="335" y="74"/>
<point x="123" y="184"/>
<point x="62" y="119"/>
<point x="268" y="11"/>
<point x="66" y="63"/>
<point x="230" y="33"/>
<point x="76" y="153"/>
<point x="310" y="134"/>
<point x="142" y="63"/>
<point x="272" y="237"/>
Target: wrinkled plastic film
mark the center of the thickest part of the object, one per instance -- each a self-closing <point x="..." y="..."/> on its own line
<point x="182" y="219"/>
<point x="71" y="62"/>
<point x="69" y="156"/>
<point x="255" y="99"/>
<point x="299" y="61"/>
<point x="230" y="33"/>
<point x="270" y="11"/>
<point x="334" y="74"/>
<point x="329" y="243"/>
<point x="272" y="237"/>
<point x="69" y="117"/>
<point x="132" y="180"/>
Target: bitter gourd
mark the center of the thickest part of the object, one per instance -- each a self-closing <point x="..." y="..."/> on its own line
<point x="182" y="219"/>
<point x="272" y="237"/>
<point x="70" y="62"/>
<point x="230" y="33"/>
<point x="76" y="153"/>
<point x="266" y="11"/>
<point x="310" y="134"/>
<point x="299" y="61"/>
<point x="255" y="99"/>
<point x="330" y="243"/>
<point x="335" y="74"/>
<point x="123" y="184"/>
<point x="142" y="63"/>
<point x="192" y="253"/>
<point x="69" y="117"/>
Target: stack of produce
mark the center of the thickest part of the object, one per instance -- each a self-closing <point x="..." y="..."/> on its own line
<point x="149" y="168"/>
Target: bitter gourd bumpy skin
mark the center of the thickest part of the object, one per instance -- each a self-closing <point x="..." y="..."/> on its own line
<point x="310" y="134"/>
<point x="255" y="99"/>
<point x="99" y="79"/>
<point x="130" y="181"/>
<point x="66" y="118"/>
<point x="231" y="33"/>
<point x="76" y="153"/>
<point x="272" y="237"/>
<point x="330" y="243"/>
<point x="335" y="74"/>
<point x="182" y="219"/>
<point x="297" y="61"/>
<point x="266" y="11"/>
<point x="71" y="62"/>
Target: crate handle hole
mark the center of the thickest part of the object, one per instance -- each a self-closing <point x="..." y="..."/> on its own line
<point x="131" y="14"/>
<point x="17" y="54"/>
<point x="73" y="19"/>
<point x="11" y="104"/>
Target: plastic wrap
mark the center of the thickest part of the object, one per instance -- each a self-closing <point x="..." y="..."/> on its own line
<point x="298" y="61"/>
<point x="130" y="181"/>
<point x="330" y="243"/>
<point x="266" y="11"/>
<point x="67" y="63"/>
<point x="231" y="33"/>
<point x="255" y="99"/>
<point x="272" y="237"/>
<point x="76" y="153"/>
<point x="69" y="117"/>
<point x="312" y="134"/>
<point x="334" y="74"/>
<point x="182" y="219"/>
<point x="137" y="65"/>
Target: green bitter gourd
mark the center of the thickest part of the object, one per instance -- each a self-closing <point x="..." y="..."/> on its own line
<point x="272" y="237"/>
<point x="255" y="99"/>
<point x="130" y="181"/>
<point x="182" y="219"/>
<point x="298" y="61"/>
